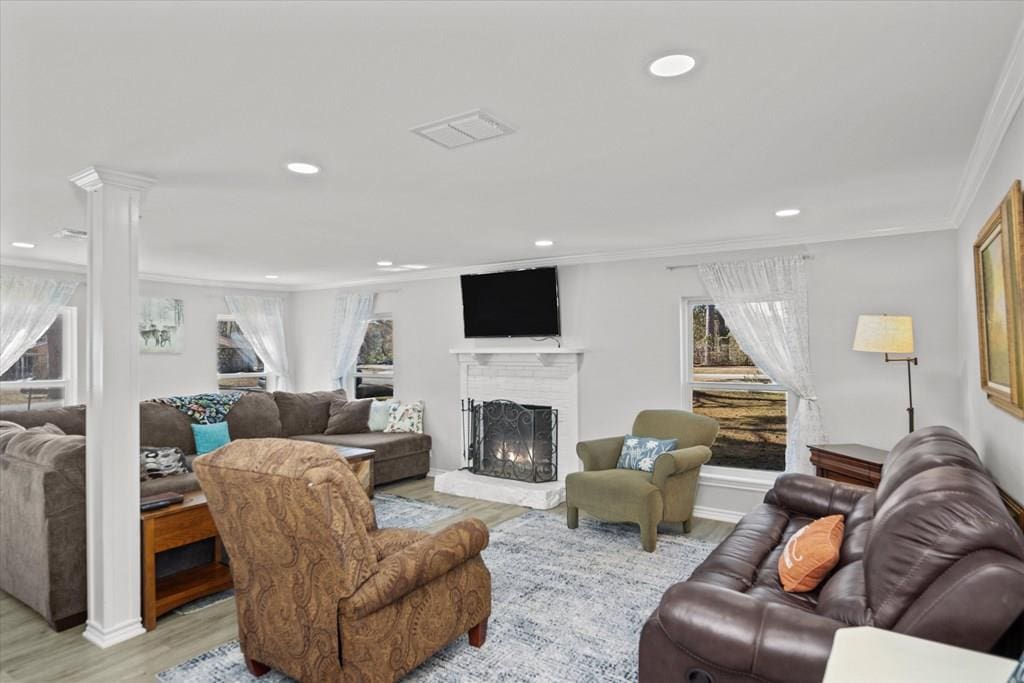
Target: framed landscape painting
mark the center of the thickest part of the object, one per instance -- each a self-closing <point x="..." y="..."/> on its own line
<point x="161" y="325"/>
<point x="999" y="288"/>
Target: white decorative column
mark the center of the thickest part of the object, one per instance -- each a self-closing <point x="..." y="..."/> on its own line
<point x="112" y="413"/>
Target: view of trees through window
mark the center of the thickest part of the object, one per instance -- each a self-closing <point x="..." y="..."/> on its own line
<point x="725" y="384"/>
<point x="235" y="355"/>
<point x="375" y="366"/>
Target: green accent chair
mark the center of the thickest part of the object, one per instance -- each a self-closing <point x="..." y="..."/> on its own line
<point x="646" y="498"/>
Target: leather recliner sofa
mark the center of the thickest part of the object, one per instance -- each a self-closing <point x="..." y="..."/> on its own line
<point x="931" y="553"/>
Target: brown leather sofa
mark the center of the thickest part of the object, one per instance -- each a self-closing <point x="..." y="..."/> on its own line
<point x="322" y="593"/>
<point x="931" y="553"/>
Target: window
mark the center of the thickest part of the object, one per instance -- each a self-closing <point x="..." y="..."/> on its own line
<point x="375" y="366"/>
<point x="238" y="366"/>
<point x="44" y="376"/>
<point x="721" y="381"/>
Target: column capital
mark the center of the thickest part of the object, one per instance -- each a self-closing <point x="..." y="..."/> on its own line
<point x="93" y="178"/>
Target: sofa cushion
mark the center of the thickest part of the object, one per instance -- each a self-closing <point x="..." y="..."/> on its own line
<point x="71" y="419"/>
<point x="305" y="413"/>
<point x="254" y="416"/>
<point x="386" y="446"/>
<point x="164" y="425"/>
<point x="349" y="417"/>
<point x="179" y="483"/>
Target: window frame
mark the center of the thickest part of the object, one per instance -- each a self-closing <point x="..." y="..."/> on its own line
<point x="688" y="385"/>
<point x="271" y="378"/>
<point x="69" y="361"/>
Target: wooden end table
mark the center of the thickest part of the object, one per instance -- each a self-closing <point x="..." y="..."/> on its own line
<point x="172" y="527"/>
<point x="361" y="462"/>
<point x="852" y="463"/>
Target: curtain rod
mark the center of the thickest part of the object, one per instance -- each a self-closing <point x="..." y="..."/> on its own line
<point x="805" y="257"/>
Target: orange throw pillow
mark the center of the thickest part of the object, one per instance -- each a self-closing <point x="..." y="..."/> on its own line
<point x="811" y="554"/>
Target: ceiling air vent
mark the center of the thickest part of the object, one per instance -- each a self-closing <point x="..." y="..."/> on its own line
<point x="71" y="234"/>
<point x="463" y="129"/>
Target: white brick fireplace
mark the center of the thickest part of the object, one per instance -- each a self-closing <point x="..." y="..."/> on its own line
<point x="525" y="375"/>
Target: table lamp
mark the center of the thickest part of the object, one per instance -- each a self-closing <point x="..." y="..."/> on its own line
<point x="889" y="334"/>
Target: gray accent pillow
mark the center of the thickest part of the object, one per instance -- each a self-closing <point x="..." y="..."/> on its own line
<point x="156" y="462"/>
<point x="349" y="417"/>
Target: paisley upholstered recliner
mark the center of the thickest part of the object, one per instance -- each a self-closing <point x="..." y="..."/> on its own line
<point x="323" y="595"/>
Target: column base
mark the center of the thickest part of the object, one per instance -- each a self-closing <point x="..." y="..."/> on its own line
<point x="105" y="638"/>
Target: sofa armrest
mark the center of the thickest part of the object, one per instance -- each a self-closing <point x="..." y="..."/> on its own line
<point x="677" y="462"/>
<point x="416" y="565"/>
<point x="600" y="454"/>
<point x="738" y="634"/>
<point x="815" y="496"/>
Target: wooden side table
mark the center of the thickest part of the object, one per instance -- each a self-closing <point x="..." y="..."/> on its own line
<point x="852" y="463"/>
<point x="172" y="527"/>
<point x="361" y="462"/>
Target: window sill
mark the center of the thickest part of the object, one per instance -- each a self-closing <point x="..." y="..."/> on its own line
<point x="760" y="481"/>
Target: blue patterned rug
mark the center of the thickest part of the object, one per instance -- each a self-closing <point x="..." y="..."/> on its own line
<point x="392" y="511"/>
<point x="567" y="606"/>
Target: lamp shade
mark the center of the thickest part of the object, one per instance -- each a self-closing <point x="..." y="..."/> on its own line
<point x="884" y="334"/>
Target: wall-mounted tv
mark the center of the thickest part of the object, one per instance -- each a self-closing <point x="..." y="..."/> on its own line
<point x="516" y="303"/>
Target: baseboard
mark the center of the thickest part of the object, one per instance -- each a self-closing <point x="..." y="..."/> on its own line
<point x="719" y="514"/>
<point x="435" y="471"/>
<point x="127" y="630"/>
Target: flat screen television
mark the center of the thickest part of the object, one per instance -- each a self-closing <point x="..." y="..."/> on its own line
<point x="515" y="303"/>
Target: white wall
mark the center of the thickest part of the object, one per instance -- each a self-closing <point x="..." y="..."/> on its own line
<point x="997" y="435"/>
<point x="192" y="371"/>
<point x="627" y="317"/>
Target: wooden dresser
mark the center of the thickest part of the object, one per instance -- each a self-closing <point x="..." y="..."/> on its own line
<point x="852" y="463"/>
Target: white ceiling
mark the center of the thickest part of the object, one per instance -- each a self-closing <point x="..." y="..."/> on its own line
<point x="861" y="114"/>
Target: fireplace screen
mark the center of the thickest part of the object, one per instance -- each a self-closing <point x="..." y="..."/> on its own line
<point x="511" y="441"/>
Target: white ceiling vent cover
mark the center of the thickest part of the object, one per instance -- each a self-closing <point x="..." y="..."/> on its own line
<point x="463" y="129"/>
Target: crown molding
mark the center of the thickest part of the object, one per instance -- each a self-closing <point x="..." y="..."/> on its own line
<point x="82" y="270"/>
<point x="92" y="178"/>
<point x="1006" y="101"/>
<point x="669" y="251"/>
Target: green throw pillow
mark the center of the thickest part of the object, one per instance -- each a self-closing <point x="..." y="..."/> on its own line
<point x="210" y="437"/>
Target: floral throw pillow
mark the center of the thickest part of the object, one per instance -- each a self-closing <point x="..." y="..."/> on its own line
<point x="405" y="418"/>
<point x="640" y="452"/>
<point x="156" y="462"/>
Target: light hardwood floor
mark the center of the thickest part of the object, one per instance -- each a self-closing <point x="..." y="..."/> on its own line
<point x="31" y="652"/>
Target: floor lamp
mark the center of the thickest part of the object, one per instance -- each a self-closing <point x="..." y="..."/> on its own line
<point x="889" y="334"/>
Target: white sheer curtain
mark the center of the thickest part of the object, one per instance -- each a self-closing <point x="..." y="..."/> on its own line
<point x="261" y="319"/>
<point x="352" y="312"/>
<point x="28" y="306"/>
<point x="764" y="303"/>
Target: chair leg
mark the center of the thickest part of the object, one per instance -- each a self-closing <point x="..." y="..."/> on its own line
<point x="572" y="516"/>
<point x="649" y="536"/>
<point x="257" y="669"/>
<point x="688" y="526"/>
<point x="478" y="634"/>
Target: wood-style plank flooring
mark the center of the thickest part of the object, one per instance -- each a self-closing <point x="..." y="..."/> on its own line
<point x="31" y="652"/>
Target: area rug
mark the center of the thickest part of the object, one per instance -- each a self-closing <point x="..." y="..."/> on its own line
<point x="392" y="511"/>
<point x="567" y="606"/>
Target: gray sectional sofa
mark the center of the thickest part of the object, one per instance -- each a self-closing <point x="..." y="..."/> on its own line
<point x="42" y="483"/>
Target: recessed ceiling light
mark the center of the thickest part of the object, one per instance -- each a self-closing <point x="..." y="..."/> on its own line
<point x="544" y="243"/>
<point x="385" y="263"/>
<point x="785" y="213"/>
<point x="672" y="65"/>
<point x="23" y="245"/>
<point x="413" y="266"/>
<point x="303" y="168"/>
<point x="271" y="277"/>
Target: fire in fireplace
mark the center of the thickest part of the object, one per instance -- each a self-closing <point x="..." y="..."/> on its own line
<point x="511" y="441"/>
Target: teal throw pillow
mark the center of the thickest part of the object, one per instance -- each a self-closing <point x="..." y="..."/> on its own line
<point x="210" y="437"/>
<point x="640" y="452"/>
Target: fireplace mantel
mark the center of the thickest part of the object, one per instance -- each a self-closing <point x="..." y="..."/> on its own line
<point x="483" y="354"/>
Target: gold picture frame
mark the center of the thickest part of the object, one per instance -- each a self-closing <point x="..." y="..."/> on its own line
<point x="999" y="290"/>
